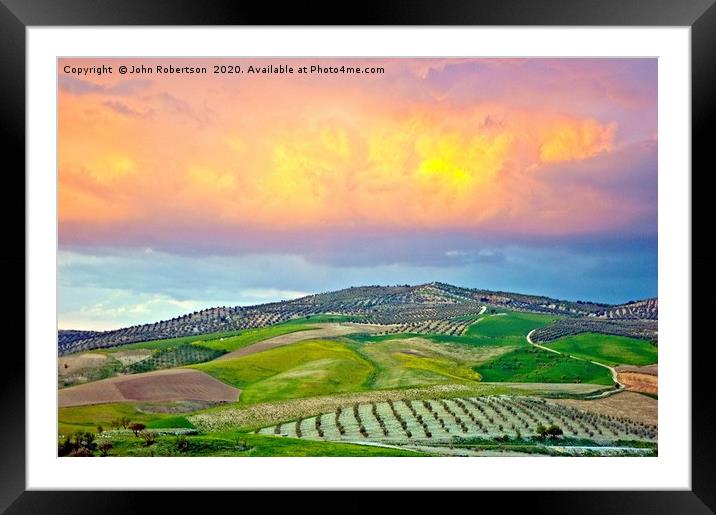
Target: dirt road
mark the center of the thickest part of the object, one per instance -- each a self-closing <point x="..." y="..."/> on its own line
<point x="615" y="376"/>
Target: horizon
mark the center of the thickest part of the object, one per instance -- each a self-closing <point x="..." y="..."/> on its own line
<point x="308" y="294"/>
<point x="180" y="192"/>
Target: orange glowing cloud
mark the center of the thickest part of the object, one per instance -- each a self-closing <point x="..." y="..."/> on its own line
<point x="318" y="152"/>
<point x="576" y="139"/>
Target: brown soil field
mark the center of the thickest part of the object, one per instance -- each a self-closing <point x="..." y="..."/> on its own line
<point x="625" y="404"/>
<point x="72" y="364"/>
<point x="648" y="369"/>
<point x="324" y="331"/>
<point x="637" y="382"/>
<point x="639" y="379"/>
<point x="162" y="385"/>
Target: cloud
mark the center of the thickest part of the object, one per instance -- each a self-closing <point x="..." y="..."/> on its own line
<point x="114" y="288"/>
<point x="121" y="108"/>
<point x="469" y="171"/>
<point x="479" y="256"/>
<point x="126" y="87"/>
<point x="175" y="105"/>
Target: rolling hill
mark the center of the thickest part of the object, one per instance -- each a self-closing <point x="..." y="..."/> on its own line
<point x="403" y="308"/>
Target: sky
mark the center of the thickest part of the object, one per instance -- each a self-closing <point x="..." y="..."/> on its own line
<point x="179" y="192"/>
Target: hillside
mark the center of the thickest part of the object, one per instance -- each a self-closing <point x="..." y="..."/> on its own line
<point x="407" y="307"/>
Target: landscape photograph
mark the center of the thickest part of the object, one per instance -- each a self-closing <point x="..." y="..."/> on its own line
<point x="357" y="257"/>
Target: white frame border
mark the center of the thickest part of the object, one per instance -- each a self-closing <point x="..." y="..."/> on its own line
<point x="670" y="470"/>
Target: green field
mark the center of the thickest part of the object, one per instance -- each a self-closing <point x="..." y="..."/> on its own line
<point x="305" y="369"/>
<point x="248" y="445"/>
<point x="324" y="367"/>
<point x="109" y="368"/>
<point x="532" y="365"/>
<point x="607" y="349"/>
<point x="508" y="323"/>
<point x="400" y="363"/>
<point x="232" y="340"/>
<point x="227" y="341"/>
<point x="316" y="376"/>
<point x="508" y="328"/>
<point x="87" y="418"/>
<point x="175" y="357"/>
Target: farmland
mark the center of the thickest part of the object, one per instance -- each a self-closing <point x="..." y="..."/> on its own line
<point x="384" y="305"/>
<point x="538" y="366"/>
<point x="612" y="350"/>
<point x="432" y="422"/>
<point x="369" y="371"/>
<point x="305" y="369"/>
<point x="163" y="385"/>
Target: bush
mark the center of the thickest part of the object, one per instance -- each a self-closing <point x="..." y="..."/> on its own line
<point x="541" y="432"/>
<point x="339" y="426"/>
<point x="554" y="431"/>
<point x="319" y="429"/>
<point x="149" y="437"/>
<point x="79" y="444"/>
<point x="182" y="443"/>
<point x="137" y="427"/>
<point x="105" y="447"/>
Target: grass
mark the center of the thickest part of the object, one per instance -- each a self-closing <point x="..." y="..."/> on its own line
<point x="305" y="369"/>
<point x="251" y="336"/>
<point x="227" y="341"/>
<point x="506" y="328"/>
<point x="87" y="418"/>
<point x="325" y="367"/>
<point x="171" y="343"/>
<point x="108" y="368"/>
<point x="401" y="363"/>
<point x="532" y="365"/>
<point x="248" y="418"/>
<point x="247" y="445"/>
<point x="607" y="349"/>
<point x="508" y="323"/>
<point x="231" y="340"/>
<point x="170" y="358"/>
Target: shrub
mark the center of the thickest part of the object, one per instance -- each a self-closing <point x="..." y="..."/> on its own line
<point x="541" y="432"/>
<point x="149" y="437"/>
<point x="137" y="427"/>
<point x="105" y="447"/>
<point x="78" y="444"/>
<point x="554" y="431"/>
<point x="319" y="429"/>
<point x="381" y="422"/>
<point x="182" y="444"/>
<point x="339" y="426"/>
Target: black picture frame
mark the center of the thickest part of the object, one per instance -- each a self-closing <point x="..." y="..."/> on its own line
<point x="17" y="15"/>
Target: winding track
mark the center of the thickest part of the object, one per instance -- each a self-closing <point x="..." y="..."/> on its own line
<point x="606" y="393"/>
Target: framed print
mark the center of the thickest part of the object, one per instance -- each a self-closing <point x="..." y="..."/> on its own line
<point x="436" y="250"/>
